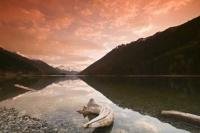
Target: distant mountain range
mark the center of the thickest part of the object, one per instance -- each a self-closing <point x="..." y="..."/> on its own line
<point x="13" y="64"/>
<point x="175" y="51"/>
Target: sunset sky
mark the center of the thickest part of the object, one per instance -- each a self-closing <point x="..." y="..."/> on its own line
<point x="75" y="33"/>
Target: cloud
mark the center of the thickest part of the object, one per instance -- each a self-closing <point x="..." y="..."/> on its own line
<point x="159" y="7"/>
<point x="70" y="61"/>
<point x="79" y="32"/>
<point x="86" y="12"/>
<point x="144" y="29"/>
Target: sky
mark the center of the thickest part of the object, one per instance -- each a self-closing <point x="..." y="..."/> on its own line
<point x="72" y="34"/>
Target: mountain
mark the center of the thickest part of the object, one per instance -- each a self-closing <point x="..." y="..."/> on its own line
<point x="67" y="72"/>
<point x="173" y="51"/>
<point x="14" y="64"/>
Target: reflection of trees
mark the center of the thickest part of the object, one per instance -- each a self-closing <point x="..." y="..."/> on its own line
<point x="7" y="89"/>
<point x="150" y="95"/>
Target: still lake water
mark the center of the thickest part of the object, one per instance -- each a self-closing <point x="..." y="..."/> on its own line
<point x="136" y="102"/>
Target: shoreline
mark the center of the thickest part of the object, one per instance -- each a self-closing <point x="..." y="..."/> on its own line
<point x="12" y="121"/>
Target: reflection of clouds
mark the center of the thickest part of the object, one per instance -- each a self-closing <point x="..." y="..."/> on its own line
<point x="56" y="85"/>
<point x="148" y="127"/>
<point x="51" y="98"/>
<point x="60" y="102"/>
<point x="128" y="120"/>
<point x="21" y="95"/>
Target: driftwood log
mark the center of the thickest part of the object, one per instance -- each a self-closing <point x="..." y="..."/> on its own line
<point x="24" y="87"/>
<point x="191" y="118"/>
<point x="105" y="115"/>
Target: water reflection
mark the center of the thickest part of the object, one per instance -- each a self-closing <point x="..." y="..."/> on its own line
<point x="8" y="90"/>
<point x="57" y="103"/>
<point x="151" y="95"/>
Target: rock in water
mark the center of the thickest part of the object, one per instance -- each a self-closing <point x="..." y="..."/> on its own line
<point x="105" y="115"/>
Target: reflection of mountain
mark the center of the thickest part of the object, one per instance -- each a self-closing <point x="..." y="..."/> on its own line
<point x="150" y="95"/>
<point x="173" y="51"/>
<point x="7" y="89"/>
<point x="13" y="64"/>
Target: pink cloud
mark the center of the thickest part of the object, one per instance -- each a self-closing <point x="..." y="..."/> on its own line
<point x="160" y="7"/>
<point x="86" y="12"/>
<point x="80" y="32"/>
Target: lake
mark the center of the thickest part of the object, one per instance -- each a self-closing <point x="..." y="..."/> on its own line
<point x="136" y="102"/>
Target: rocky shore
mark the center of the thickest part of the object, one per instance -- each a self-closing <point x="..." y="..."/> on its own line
<point x="13" y="121"/>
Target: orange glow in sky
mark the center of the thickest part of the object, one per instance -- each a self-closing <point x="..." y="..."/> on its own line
<point x="75" y="33"/>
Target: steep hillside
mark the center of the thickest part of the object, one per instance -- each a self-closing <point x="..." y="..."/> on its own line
<point x="173" y="51"/>
<point x="14" y="64"/>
